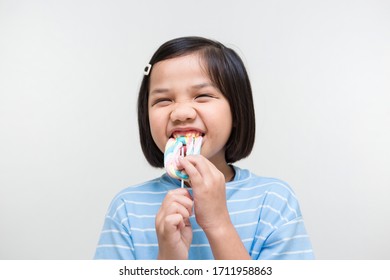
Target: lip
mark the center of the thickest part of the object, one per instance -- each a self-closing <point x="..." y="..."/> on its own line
<point x="183" y="131"/>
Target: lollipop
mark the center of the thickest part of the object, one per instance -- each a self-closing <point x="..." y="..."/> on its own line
<point x="181" y="146"/>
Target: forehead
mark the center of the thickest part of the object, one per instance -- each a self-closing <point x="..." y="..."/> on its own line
<point x="187" y="67"/>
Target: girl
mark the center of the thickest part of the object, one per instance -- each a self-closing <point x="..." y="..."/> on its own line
<point x="196" y="86"/>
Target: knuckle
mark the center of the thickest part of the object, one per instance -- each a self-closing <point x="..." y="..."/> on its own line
<point x="170" y="193"/>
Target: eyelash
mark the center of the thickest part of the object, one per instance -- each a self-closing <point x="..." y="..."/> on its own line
<point x="206" y="95"/>
<point x="160" y="100"/>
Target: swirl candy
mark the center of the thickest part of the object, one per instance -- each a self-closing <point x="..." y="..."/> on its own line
<point x="190" y="144"/>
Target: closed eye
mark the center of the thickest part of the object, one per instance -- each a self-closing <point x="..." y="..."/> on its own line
<point x="204" y="97"/>
<point x="161" y="101"/>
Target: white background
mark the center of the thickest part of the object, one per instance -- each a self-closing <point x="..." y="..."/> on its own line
<point x="69" y="78"/>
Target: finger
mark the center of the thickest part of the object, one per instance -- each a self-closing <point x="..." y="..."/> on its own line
<point x="177" y="208"/>
<point x="173" y="222"/>
<point x="176" y="201"/>
<point x="191" y="169"/>
<point x="180" y="195"/>
<point x="198" y="168"/>
<point x="206" y="168"/>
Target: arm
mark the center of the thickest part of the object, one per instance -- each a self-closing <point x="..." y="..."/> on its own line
<point x="210" y="207"/>
<point x="226" y="244"/>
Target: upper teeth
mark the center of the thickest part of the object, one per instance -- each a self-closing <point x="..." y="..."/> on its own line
<point x="187" y="134"/>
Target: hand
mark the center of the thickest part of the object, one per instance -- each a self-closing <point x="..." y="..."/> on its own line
<point x="173" y="228"/>
<point x="211" y="213"/>
<point x="209" y="193"/>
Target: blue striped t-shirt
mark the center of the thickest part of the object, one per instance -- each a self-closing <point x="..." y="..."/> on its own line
<point x="264" y="211"/>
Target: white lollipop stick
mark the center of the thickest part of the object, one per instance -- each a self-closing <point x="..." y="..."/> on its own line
<point x="182" y="154"/>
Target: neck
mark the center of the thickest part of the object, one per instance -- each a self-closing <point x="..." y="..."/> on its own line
<point x="228" y="172"/>
<point x="226" y="169"/>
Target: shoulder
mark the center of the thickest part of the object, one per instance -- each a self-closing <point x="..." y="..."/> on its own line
<point x="247" y="180"/>
<point x="269" y="191"/>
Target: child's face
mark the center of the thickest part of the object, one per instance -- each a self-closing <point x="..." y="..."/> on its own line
<point x="183" y="99"/>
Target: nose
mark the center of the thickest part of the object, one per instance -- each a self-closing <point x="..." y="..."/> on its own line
<point x="183" y="112"/>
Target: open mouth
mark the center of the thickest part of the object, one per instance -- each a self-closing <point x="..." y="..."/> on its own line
<point x="186" y="142"/>
<point x="192" y="134"/>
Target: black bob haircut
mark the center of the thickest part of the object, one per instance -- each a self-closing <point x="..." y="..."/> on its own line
<point x="227" y="71"/>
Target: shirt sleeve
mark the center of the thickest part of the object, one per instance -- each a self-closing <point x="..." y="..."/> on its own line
<point x="288" y="242"/>
<point x="115" y="242"/>
<point x="281" y="232"/>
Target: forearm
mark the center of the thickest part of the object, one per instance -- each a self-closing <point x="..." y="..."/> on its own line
<point x="226" y="244"/>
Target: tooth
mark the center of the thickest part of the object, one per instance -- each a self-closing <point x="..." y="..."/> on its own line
<point x="189" y="134"/>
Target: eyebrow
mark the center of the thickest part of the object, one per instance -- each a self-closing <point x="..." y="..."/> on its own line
<point x="197" y="86"/>
<point x="159" y="90"/>
<point x="202" y="85"/>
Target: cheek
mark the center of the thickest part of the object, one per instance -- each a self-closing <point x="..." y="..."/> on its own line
<point x="226" y="126"/>
<point x="226" y="119"/>
<point x="221" y="125"/>
<point x="157" y="129"/>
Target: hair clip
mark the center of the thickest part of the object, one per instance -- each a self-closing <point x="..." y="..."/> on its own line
<point x="147" y="69"/>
